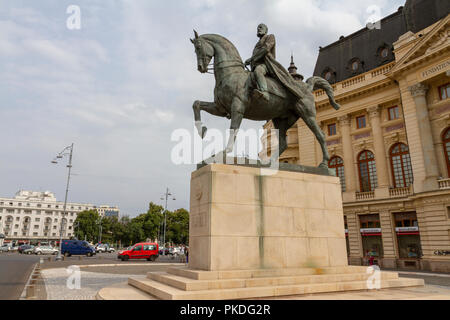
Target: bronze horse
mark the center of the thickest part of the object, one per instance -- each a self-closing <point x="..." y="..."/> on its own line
<point x="234" y="99"/>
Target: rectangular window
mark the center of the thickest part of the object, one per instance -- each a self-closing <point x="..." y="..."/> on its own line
<point x="361" y="122"/>
<point x="444" y="91"/>
<point x="332" y="129"/>
<point x="393" y="113"/>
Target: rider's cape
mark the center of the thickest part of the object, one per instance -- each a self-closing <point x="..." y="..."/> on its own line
<point x="280" y="73"/>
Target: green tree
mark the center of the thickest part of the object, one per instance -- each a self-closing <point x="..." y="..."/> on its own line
<point x="87" y="226"/>
<point x="178" y="226"/>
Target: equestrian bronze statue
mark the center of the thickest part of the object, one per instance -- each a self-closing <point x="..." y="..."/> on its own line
<point x="240" y="94"/>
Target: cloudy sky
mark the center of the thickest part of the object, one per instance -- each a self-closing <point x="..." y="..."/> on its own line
<point x="118" y="87"/>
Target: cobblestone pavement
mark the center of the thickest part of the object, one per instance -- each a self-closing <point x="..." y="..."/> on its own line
<point x="61" y="285"/>
<point x="92" y="279"/>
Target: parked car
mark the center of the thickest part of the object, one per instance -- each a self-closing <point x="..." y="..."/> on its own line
<point x="45" y="250"/>
<point x="29" y="250"/>
<point x="161" y="251"/>
<point x="24" y="247"/>
<point x="104" y="247"/>
<point x="143" y="250"/>
<point x="5" y="248"/>
<point x="77" y="247"/>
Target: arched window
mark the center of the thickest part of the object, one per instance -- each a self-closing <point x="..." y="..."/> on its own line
<point x="446" y="143"/>
<point x="367" y="171"/>
<point x="338" y="164"/>
<point x="401" y="165"/>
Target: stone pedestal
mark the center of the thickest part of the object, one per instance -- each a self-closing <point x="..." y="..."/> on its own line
<point x="256" y="233"/>
<point x="243" y="219"/>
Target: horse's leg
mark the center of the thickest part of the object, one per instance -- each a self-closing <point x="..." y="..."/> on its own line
<point x="283" y="125"/>
<point x="209" y="107"/>
<point x="309" y="117"/>
<point x="237" y="114"/>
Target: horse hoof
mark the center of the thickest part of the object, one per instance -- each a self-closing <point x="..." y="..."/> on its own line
<point x="204" y="130"/>
<point x="323" y="165"/>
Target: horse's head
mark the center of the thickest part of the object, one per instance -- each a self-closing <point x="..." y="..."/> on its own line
<point x="204" y="52"/>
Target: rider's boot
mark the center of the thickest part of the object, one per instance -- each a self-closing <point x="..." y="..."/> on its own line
<point x="262" y="94"/>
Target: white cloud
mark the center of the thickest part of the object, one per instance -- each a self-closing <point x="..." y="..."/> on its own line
<point x="120" y="85"/>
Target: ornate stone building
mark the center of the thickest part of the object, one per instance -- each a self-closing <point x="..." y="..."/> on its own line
<point x="33" y="217"/>
<point x="390" y="142"/>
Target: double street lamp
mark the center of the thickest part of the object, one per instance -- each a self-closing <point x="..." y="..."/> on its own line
<point x="165" y="196"/>
<point x="60" y="155"/>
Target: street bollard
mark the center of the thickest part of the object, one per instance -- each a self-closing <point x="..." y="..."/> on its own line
<point x="49" y="259"/>
<point x="31" y="292"/>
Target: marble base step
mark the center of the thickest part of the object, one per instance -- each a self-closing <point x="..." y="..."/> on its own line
<point x="167" y="292"/>
<point x="188" y="284"/>
<point x="261" y="273"/>
<point x="123" y="291"/>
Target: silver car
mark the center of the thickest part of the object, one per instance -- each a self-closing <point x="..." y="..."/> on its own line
<point x="45" y="250"/>
<point x="5" y="248"/>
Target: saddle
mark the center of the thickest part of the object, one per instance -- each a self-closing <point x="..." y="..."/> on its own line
<point x="274" y="86"/>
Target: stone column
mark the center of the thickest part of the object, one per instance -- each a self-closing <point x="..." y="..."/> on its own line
<point x="354" y="239"/>
<point x="388" y="238"/>
<point x="349" y="170"/>
<point x="380" y="153"/>
<point x="418" y="92"/>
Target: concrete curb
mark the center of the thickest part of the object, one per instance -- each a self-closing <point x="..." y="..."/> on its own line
<point x="127" y="265"/>
<point x="24" y="295"/>
<point x="443" y="275"/>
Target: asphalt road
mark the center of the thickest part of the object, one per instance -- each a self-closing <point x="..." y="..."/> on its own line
<point x="100" y="258"/>
<point x="15" y="269"/>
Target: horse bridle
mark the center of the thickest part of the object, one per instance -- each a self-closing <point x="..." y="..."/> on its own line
<point x="237" y="63"/>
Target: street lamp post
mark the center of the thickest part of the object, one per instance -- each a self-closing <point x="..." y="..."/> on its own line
<point x="166" y="196"/>
<point x="100" y="230"/>
<point x="60" y="156"/>
<point x="77" y="226"/>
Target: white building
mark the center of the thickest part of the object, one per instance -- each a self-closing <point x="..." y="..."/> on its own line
<point x="36" y="217"/>
<point x="107" y="211"/>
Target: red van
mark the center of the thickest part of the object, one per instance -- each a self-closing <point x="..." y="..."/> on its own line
<point x="143" y="250"/>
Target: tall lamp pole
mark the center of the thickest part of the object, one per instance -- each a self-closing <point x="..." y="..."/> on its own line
<point x="166" y="196"/>
<point x="60" y="156"/>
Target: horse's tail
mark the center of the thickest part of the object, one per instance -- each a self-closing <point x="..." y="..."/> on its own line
<point x="315" y="83"/>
